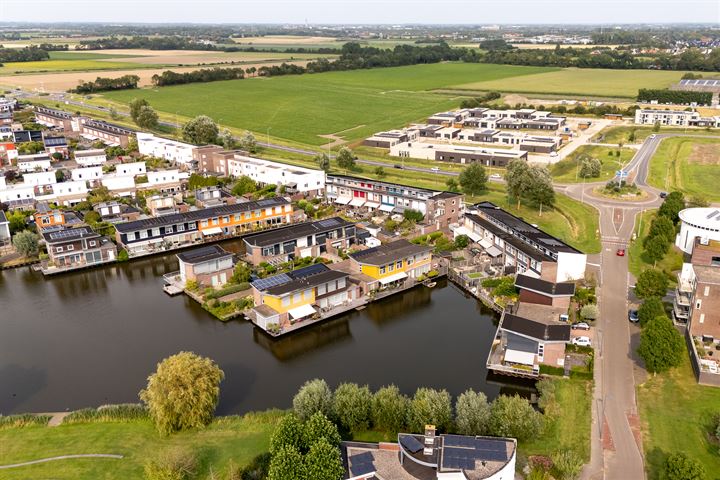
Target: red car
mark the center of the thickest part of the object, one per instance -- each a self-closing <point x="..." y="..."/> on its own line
<point x="620" y="252"/>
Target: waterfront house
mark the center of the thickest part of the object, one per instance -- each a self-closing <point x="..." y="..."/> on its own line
<point x="176" y="230"/>
<point x="287" y="298"/>
<point x="79" y="247"/>
<point x="47" y="218"/>
<point x="309" y="239"/>
<point x="209" y="266"/>
<point x="392" y="264"/>
<point x="4" y="230"/>
<point x="541" y="292"/>
<point x="431" y="456"/>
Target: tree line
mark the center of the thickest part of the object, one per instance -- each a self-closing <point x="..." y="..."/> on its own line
<point x="169" y="77"/>
<point x="25" y="54"/>
<point x="104" y="84"/>
<point x="677" y="97"/>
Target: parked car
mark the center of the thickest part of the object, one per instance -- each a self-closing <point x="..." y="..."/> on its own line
<point x="580" y="326"/>
<point x="582" y="341"/>
<point x="398" y="166"/>
<point x="620" y="252"/>
<point x="496" y="176"/>
<point x="633" y="316"/>
<point x="663" y="194"/>
<point x="553" y="154"/>
<point x="435" y="169"/>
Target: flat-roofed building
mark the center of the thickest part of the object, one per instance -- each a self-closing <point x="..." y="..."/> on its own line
<point x="54" y="118"/>
<point x="295" y="179"/>
<point x="165" y="180"/>
<point x="106" y="132"/>
<point x="39" y="162"/>
<point x="677" y="118"/>
<point x="90" y="158"/>
<point x="88" y="174"/>
<point x="133" y="168"/>
<point x="390" y="138"/>
<point x="119" y="185"/>
<point x="56" y="144"/>
<point x="39" y="178"/>
<point x="492" y="157"/>
<point x="179" y="153"/>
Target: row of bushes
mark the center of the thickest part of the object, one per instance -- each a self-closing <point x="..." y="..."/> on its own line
<point x="678" y="97"/>
<point x="23" y="420"/>
<point x="211" y="293"/>
<point x="169" y="77"/>
<point x="123" y="412"/>
<point x="104" y="84"/>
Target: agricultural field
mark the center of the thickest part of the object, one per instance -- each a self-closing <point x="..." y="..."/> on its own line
<point x="350" y="105"/>
<point x="576" y="81"/>
<point x="566" y="170"/>
<point x="281" y="42"/>
<point x="197" y="57"/>
<point x="86" y="65"/>
<point x="690" y="165"/>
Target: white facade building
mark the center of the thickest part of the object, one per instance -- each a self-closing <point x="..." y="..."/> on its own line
<point x="9" y="193"/>
<point x="122" y="185"/>
<point x="703" y="223"/>
<point x="90" y="158"/>
<point x="87" y="174"/>
<point x="274" y="173"/>
<point x="39" y="178"/>
<point x="171" y="150"/>
<point x="163" y="177"/>
<point x="135" y="168"/>
<point x="33" y="163"/>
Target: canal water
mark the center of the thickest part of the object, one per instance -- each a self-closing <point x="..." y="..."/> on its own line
<point x="92" y="337"/>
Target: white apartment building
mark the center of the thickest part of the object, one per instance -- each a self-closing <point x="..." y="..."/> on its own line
<point x="171" y="150"/>
<point x="121" y="185"/>
<point x="163" y="177"/>
<point x="39" y="178"/>
<point x="66" y="193"/>
<point x="33" y="163"/>
<point x="87" y="173"/>
<point x="90" y="158"/>
<point x="135" y="168"/>
<point x="17" y="192"/>
<point x="267" y="172"/>
<point x="677" y="118"/>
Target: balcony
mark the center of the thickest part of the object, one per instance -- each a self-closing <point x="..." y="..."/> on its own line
<point x="682" y="298"/>
<point x="684" y="284"/>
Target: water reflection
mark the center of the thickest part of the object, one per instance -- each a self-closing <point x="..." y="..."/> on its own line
<point x="309" y="339"/>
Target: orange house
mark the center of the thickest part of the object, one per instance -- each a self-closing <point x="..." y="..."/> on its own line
<point x="45" y="217"/>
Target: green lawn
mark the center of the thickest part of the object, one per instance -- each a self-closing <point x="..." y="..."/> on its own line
<point x="67" y="65"/>
<point x="351" y="104"/>
<point x="577" y="81"/>
<point x="566" y="170"/>
<point x="239" y="439"/>
<point x="690" y="165"/>
<point x="622" y="134"/>
<point x="678" y="415"/>
<point x="637" y="260"/>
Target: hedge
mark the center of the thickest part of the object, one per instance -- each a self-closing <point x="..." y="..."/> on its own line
<point x="550" y="370"/>
<point x="227" y="290"/>
<point x="23" y="420"/>
<point x="678" y="97"/>
<point x="122" y="412"/>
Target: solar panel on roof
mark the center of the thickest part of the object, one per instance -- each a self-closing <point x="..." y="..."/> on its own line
<point x="274" y="281"/>
<point x="357" y="469"/>
<point x="362" y="458"/>
<point x="712" y="214"/>
<point x="411" y="444"/>
<point x="489" y="445"/>
<point x="330" y="222"/>
<point x="308" y="271"/>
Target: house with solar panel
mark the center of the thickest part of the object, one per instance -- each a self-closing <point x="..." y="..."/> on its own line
<point x="209" y="266"/>
<point x="396" y="265"/>
<point x="522" y="247"/>
<point x="56" y="145"/>
<point x="431" y="456"/>
<point x="309" y="239"/>
<point x="290" y="300"/>
<point x="75" y="248"/>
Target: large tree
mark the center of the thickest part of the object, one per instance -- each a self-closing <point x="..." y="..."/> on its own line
<point x="183" y="392"/>
<point x="26" y="243"/>
<point x="287" y="464"/>
<point x="147" y="118"/>
<point x="430" y="406"/>
<point x="323" y="161"/>
<point x="473" y="179"/>
<point x="313" y="396"/>
<point x="472" y="413"/>
<point x="513" y="416"/>
<point x="289" y="432"/>
<point x="651" y="308"/>
<point x="671" y="206"/>
<point x="201" y="130"/>
<point x="136" y="104"/>
<point x="679" y="466"/>
<point x="390" y="409"/>
<point x="345" y="159"/>
<point x="661" y="345"/>
<point x="651" y="283"/>
<point x="656" y="247"/>
<point x="319" y="426"/>
<point x="661" y="226"/>
<point x="517" y="179"/>
<point x="352" y="404"/>
<point x="324" y="461"/>
<point x="227" y="140"/>
<point x="248" y="142"/>
<point x="590" y="167"/>
<point x="244" y="185"/>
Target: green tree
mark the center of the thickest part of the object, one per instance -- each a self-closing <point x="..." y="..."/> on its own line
<point x="631" y="136"/>
<point x="147" y="118"/>
<point x="390" y="409"/>
<point x="319" y="426"/>
<point x="26" y="243"/>
<point x="472" y="413"/>
<point x="679" y="466"/>
<point x="17" y="221"/>
<point x="197" y="180"/>
<point x="517" y="179"/>
<point x="473" y="179"/>
<point x="345" y="159"/>
<point x="248" y="143"/>
<point x="590" y="312"/>
<point x="651" y="308"/>
<point x="313" y="396"/>
<point x="183" y="392"/>
<point x="241" y="273"/>
<point x="323" y="161"/>
<point x="671" y="206"/>
<point x="540" y="190"/>
<point x="380" y="172"/>
<point x="413" y="215"/>
<point x="462" y="241"/>
<point x="567" y="465"/>
<point x="136" y="104"/>
<point x="452" y="185"/>
<point x="352" y="404"/>
<point x="244" y="185"/>
<point x="289" y="432"/>
<point x="656" y="247"/>
<point x="430" y="406"/>
<point x="287" y="464"/>
<point x="590" y="167"/>
<point x="201" y="130"/>
<point x="228" y="140"/>
<point x="661" y="345"/>
<point x="513" y="416"/>
<point x="92" y="218"/>
<point x="661" y="226"/>
<point x="651" y="283"/>
<point x="656" y="127"/>
<point x="323" y="461"/>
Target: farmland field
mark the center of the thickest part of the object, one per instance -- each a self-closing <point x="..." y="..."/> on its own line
<point x="66" y="65"/>
<point x="351" y="104"/>
<point x="89" y="55"/>
<point x="575" y="81"/>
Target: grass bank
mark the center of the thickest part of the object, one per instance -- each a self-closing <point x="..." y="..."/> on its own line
<point x="678" y="415"/>
<point x="567" y="170"/>
<point x="637" y="259"/>
<point x="622" y="133"/>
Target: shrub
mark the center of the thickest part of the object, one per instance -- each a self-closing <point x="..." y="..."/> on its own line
<point x="661" y="345"/>
<point x="174" y="464"/>
<point x="210" y="293"/>
<point x="124" y="412"/>
<point x="680" y="467"/>
<point x="430" y="406"/>
<point x="567" y="465"/>
<point x="472" y="413"/>
<point x="390" y="409"/>
<point x="318" y="426"/>
<point x="324" y="462"/>
<point x="23" y="420"/>
<point x="289" y="432"/>
<point x="550" y="370"/>
<point x="590" y="312"/>
<point x="313" y="396"/>
<point x="352" y="404"/>
<point x="192" y="285"/>
<point x="287" y="464"/>
<point x="513" y="416"/>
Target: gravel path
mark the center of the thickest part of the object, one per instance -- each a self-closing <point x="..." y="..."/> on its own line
<point x="62" y="457"/>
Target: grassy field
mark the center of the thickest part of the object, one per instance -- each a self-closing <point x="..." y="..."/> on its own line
<point x="574" y="81"/>
<point x="66" y="65"/>
<point x="566" y="170"/>
<point x="236" y="439"/>
<point x="622" y="134"/>
<point x="637" y="260"/>
<point x="690" y="165"/>
<point x="678" y="415"/>
<point x="351" y="104"/>
<point x="82" y="55"/>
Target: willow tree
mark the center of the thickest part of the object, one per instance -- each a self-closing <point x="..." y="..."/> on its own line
<point x="183" y="392"/>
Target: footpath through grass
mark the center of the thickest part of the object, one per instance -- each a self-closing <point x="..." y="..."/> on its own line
<point x="236" y="439"/>
<point x="567" y="170"/>
<point x="690" y="165"/>
<point x="678" y="415"/>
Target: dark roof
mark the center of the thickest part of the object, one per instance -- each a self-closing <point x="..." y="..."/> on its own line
<point x="203" y="254"/>
<point x="55" y="113"/>
<point x="389" y="252"/>
<point x="299" y="279"/>
<point x="3" y="218"/>
<point x="69" y="235"/>
<point x="530" y="328"/>
<point x="378" y="182"/>
<point x="55" y="142"/>
<point x="543" y="286"/>
<point x="292" y="232"/>
<point x="108" y="127"/>
<point x="27" y="136"/>
<point x="521" y="227"/>
<point x="528" y="250"/>
<point x="201" y="214"/>
<point x="443" y="195"/>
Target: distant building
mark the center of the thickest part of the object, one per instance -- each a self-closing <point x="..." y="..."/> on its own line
<point x="22" y="136"/>
<point x="133" y="168"/>
<point x="55" y="118"/>
<point x="266" y="172"/>
<point x="390" y="138"/>
<point x="209" y="266"/>
<point x="491" y="157"/>
<point x="677" y="118"/>
<point x="39" y="162"/>
<point x="56" y="145"/>
<point x="116" y="212"/>
<point x="106" y="132"/>
<point x="178" y="153"/>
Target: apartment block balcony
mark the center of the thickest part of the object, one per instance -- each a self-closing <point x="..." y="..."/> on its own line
<point x="684" y="284"/>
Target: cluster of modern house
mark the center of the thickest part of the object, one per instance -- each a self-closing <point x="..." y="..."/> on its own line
<point x="676" y="118"/>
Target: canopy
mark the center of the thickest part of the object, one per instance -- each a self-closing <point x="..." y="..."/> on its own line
<point x="464" y="231"/>
<point x="494" y="251"/>
<point x="343" y="200"/>
<point x="386" y="208"/>
<point x="372" y="204"/>
<point x="357" y="202"/>
<point x="212" y="231"/>
<point x="392" y="278"/>
<point x="485" y="243"/>
<point x="516" y="356"/>
<point x="301" y="311"/>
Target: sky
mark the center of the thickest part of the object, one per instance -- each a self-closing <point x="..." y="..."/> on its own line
<point x="364" y="11"/>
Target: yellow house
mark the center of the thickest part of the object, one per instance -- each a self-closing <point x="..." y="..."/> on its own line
<point x="394" y="261"/>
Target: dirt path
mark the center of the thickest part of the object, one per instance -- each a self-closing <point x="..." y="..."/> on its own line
<point x="57" y="418"/>
<point x="61" y="457"/>
<point x="336" y="140"/>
